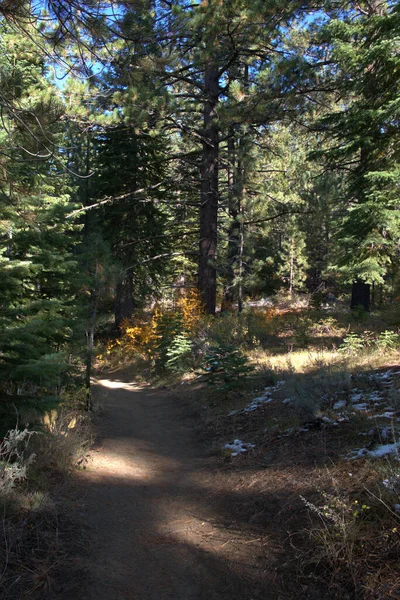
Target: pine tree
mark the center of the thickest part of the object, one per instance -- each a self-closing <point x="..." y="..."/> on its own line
<point x="37" y="262"/>
<point x="131" y="170"/>
<point x="364" y="131"/>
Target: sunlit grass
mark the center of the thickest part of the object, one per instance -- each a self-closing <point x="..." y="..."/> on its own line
<point x="307" y="360"/>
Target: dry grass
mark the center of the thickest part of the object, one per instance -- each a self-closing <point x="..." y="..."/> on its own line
<point x="342" y="539"/>
<point x="36" y="527"/>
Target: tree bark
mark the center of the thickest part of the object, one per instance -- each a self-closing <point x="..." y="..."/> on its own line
<point x="92" y="317"/>
<point x="360" y="295"/>
<point x="124" y="304"/>
<point x="209" y="193"/>
<point x="234" y="225"/>
<point x="90" y="345"/>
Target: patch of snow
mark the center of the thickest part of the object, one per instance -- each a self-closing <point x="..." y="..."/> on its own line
<point x="384" y="376"/>
<point x="385" y="449"/>
<point x="378" y="452"/>
<point x="357" y="395"/>
<point x="287" y="401"/>
<point x="259" y="401"/>
<point x="327" y="420"/>
<point x="276" y="386"/>
<point x="358" y="453"/>
<point x="254" y="404"/>
<point x="389" y="414"/>
<point x="342" y="419"/>
<point x="360" y="406"/>
<point x="340" y="404"/>
<point x="385" y="432"/>
<point x="238" y="447"/>
<point x="392" y="483"/>
<point x="396" y="508"/>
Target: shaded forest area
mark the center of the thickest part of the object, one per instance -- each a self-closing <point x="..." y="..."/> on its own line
<point x="210" y="191"/>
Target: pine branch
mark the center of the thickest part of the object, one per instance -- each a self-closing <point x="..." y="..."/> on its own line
<point x="277" y="216"/>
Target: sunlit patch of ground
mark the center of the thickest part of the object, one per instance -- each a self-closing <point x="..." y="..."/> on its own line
<point x="116" y="385"/>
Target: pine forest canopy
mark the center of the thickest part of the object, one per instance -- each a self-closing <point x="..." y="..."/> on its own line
<point x="242" y="146"/>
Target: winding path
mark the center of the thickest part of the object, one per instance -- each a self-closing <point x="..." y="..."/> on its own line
<point x="158" y="528"/>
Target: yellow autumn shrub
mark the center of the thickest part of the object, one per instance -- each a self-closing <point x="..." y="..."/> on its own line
<point x="147" y="334"/>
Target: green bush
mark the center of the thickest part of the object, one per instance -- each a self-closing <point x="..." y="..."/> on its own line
<point x="352" y="344"/>
<point x="359" y="313"/>
<point x="388" y="340"/>
<point x="169" y="327"/>
<point x="179" y="354"/>
<point x="302" y="333"/>
<point x="225" y="367"/>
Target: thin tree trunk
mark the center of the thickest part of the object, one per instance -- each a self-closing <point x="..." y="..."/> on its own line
<point x="124" y="305"/>
<point x="90" y="332"/>
<point x="240" y="286"/>
<point x="234" y="226"/>
<point x="90" y="346"/>
<point x="291" y="268"/>
<point x="209" y="193"/>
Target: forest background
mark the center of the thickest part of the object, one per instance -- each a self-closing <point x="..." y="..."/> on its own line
<point x="148" y="148"/>
<point x="194" y="186"/>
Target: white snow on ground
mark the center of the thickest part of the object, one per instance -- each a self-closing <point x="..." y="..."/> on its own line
<point x="384" y="450"/>
<point x="238" y="447"/>
<point x="259" y="401"/>
<point x="367" y="400"/>
<point x="374" y="396"/>
<point x="328" y="421"/>
<point x="389" y="414"/>
<point x="359" y="400"/>
<point x="392" y="483"/>
<point x="356" y="396"/>
<point x="384" y="376"/>
<point x="378" y="452"/>
<point x="384" y="432"/>
<point x="340" y="404"/>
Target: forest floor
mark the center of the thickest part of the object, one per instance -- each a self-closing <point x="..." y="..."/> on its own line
<point x="159" y="522"/>
<point x="170" y="511"/>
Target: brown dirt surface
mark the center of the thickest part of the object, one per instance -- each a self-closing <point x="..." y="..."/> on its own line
<point x="160" y="524"/>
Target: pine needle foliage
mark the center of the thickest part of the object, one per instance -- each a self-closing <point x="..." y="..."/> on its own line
<point x="225" y="367"/>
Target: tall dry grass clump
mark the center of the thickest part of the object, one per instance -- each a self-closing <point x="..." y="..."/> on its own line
<point x="36" y="528"/>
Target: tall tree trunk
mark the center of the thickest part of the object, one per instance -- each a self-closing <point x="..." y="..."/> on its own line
<point x="124" y="304"/>
<point x="92" y="317"/>
<point x="89" y="348"/>
<point x="241" y="251"/>
<point x="209" y="193"/>
<point x="360" y="295"/>
<point x="291" y="276"/>
<point x="234" y="225"/>
<point x="236" y="180"/>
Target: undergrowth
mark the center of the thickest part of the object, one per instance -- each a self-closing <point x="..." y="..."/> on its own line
<point x="36" y="528"/>
<point x="283" y="378"/>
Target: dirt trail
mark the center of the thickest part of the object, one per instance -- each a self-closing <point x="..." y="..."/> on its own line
<point x="157" y="529"/>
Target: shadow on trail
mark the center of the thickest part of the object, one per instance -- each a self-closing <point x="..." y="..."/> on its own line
<point x="163" y="524"/>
